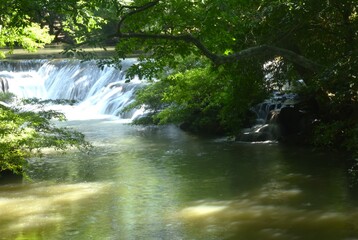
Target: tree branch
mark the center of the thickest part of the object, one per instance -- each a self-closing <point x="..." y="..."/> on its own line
<point x="215" y="58"/>
<point x="136" y="10"/>
<point x="275" y="51"/>
<point x="222" y="59"/>
<point x="185" y="38"/>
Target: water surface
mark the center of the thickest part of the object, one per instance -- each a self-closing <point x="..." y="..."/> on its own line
<point x="162" y="183"/>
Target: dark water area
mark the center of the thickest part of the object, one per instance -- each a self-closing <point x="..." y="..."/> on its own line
<point x="162" y="183"/>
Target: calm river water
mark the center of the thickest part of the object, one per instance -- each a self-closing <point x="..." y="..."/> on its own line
<point x="162" y="183"/>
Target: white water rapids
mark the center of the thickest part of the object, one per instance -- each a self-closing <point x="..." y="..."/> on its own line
<point x="98" y="92"/>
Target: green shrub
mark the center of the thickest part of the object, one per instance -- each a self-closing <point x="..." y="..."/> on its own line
<point x="24" y="134"/>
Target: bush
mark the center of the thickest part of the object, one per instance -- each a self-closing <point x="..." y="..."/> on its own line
<point x="24" y="134"/>
<point x="203" y="99"/>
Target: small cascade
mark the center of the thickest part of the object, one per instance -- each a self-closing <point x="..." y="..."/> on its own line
<point x="101" y="92"/>
<point x="266" y="128"/>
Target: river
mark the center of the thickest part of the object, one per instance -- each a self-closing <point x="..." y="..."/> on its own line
<point x="163" y="183"/>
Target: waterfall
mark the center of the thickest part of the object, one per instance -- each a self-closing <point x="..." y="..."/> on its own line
<point x="98" y="91"/>
<point x="266" y="128"/>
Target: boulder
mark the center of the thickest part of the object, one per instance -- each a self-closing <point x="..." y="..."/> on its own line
<point x="289" y="121"/>
<point x="296" y="126"/>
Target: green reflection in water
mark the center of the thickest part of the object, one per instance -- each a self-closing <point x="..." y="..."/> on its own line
<point x="161" y="183"/>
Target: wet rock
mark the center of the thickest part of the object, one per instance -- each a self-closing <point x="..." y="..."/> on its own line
<point x="279" y="118"/>
<point x="4" y="85"/>
<point x="289" y="121"/>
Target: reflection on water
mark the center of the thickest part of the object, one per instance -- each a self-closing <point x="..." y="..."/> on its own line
<point x="161" y="183"/>
<point x="267" y="216"/>
<point x="35" y="207"/>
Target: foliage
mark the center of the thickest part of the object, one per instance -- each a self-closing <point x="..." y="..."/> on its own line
<point x="43" y="103"/>
<point x="208" y="56"/>
<point x="26" y="24"/>
<point x="322" y="32"/>
<point x="24" y="134"/>
<point x="17" y="28"/>
<point x="32" y="24"/>
<point x="6" y="97"/>
<point x="29" y="37"/>
<point x="204" y="98"/>
<point x="185" y="98"/>
<point x="339" y="108"/>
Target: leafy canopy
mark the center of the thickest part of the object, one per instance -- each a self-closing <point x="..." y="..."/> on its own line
<point x="310" y="40"/>
<point x="208" y="55"/>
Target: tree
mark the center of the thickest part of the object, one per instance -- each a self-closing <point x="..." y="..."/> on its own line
<point x="34" y="23"/>
<point x="224" y="45"/>
<point x="17" y="29"/>
<point x="24" y="134"/>
<point x="311" y="40"/>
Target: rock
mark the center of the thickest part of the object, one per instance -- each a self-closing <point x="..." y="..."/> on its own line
<point x="281" y="117"/>
<point x="289" y="121"/>
<point x="4" y="85"/>
<point x="296" y="126"/>
<point x="259" y="133"/>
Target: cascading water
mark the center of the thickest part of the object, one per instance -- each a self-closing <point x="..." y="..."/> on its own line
<point x="266" y="129"/>
<point x="99" y="92"/>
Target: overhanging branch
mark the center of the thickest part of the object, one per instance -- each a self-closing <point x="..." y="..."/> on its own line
<point x="215" y="58"/>
<point x="185" y="38"/>
<point x="135" y="10"/>
<point x="274" y="51"/>
<point x="222" y="59"/>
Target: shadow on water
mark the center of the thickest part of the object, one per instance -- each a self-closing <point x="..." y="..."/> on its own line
<point x="162" y="183"/>
<point x="301" y="194"/>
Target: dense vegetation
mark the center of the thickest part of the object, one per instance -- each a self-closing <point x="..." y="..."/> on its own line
<point x="26" y="133"/>
<point x="216" y="51"/>
<point x="208" y="56"/>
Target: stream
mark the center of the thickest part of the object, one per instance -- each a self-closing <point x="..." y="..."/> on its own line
<point x="163" y="183"/>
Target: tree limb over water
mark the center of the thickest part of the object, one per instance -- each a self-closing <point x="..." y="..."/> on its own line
<point x="217" y="59"/>
<point x="243" y="54"/>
